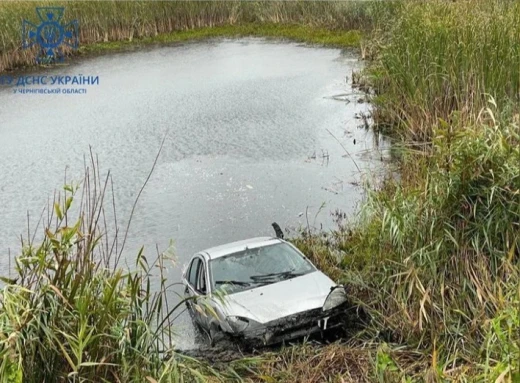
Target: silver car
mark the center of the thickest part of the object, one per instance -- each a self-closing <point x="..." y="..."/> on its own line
<point x="262" y="290"/>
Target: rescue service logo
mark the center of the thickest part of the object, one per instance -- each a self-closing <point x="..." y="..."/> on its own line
<point x="50" y="35"/>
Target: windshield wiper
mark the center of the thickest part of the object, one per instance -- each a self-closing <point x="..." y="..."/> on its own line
<point x="231" y="282"/>
<point x="283" y="274"/>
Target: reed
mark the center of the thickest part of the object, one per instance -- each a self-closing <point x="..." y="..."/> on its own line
<point x="434" y="255"/>
<point x="298" y="33"/>
<point x="117" y="21"/>
<point x="442" y="60"/>
<point x="435" y="262"/>
<point x="71" y="313"/>
<point x="443" y="255"/>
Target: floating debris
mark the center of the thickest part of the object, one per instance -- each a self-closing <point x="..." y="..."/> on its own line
<point x="341" y="97"/>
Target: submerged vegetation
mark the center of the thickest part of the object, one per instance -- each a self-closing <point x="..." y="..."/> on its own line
<point x="433" y="258"/>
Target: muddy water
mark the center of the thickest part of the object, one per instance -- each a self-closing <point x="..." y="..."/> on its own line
<point x="249" y="127"/>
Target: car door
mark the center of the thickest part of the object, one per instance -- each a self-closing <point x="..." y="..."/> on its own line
<point x="197" y="287"/>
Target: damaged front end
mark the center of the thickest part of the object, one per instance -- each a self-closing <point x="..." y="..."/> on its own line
<point x="331" y="315"/>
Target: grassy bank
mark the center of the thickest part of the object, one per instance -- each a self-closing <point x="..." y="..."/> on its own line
<point x="434" y="256"/>
<point x="293" y="32"/>
<point x="114" y="24"/>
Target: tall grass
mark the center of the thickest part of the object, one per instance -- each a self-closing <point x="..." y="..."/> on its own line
<point x="436" y="263"/>
<point x="444" y="57"/>
<point x="109" y="21"/>
<point x="72" y="313"/>
<point x="435" y="255"/>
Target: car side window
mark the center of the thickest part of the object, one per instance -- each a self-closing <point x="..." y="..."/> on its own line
<point x="192" y="277"/>
<point x="201" y="279"/>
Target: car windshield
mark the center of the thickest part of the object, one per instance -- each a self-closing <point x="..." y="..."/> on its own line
<point x="257" y="267"/>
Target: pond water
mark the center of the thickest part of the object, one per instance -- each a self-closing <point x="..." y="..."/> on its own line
<point x="252" y="130"/>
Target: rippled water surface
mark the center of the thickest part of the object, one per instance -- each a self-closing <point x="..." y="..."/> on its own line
<point x="248" y="143"/>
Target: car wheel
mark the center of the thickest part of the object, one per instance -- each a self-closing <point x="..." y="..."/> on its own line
<point x="215" y="334"/>
<point x="212" y="333"/>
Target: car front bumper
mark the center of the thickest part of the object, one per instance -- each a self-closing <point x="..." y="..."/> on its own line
<point x="296" y="326"/>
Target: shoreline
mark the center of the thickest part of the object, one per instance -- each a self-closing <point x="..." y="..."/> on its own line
<point x="313" y="36"/>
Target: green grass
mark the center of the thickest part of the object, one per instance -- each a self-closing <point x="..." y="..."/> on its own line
<point x="71" y="313"/>
<point x="435" y="262"/>
<point x="434" y="256"/>
<point x="447" y="57"/>
<point x="118" y="23"/>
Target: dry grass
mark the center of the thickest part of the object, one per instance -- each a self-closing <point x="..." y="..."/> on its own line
<point x="118" y="21"/>
<point x="341" y="363"/>
<point x="434" y="255"/>
<point x="311" y="364"/>
<point x="442" y="60"/>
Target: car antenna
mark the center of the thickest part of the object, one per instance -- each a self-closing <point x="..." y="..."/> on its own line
<point x="277" y="230"/>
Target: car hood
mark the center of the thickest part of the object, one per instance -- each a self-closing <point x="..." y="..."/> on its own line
<point x="278" y="300"/>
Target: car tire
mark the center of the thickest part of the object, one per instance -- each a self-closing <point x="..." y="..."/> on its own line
<point x="215" y="335"/>
<point x="212" y="334"/>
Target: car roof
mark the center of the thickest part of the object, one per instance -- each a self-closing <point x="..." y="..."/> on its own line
<point x="234" y="247"/>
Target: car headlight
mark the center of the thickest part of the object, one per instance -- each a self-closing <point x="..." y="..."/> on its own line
<point x="336" y="297"/>
<point x="237" y="324"/>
